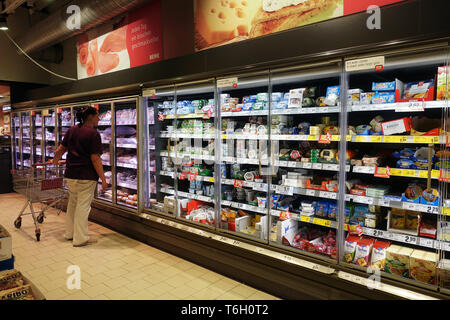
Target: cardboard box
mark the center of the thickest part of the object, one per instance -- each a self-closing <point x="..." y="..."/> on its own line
<point x="443" y="85"/>
<point x="378" y="260"/>
<point x="286" y="230"/>
<point x="37" y="293"/>
<point x="420" y="91"/>
<point x="422" y="266"/>
<point x="169" y="204"/>
<point x="5" y="244"/>
<point x="396" y="126"/>
<point x="443" y="270"/>
<point x="397" y="260"/>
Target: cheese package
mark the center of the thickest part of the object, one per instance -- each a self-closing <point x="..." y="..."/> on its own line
<point x="378" y="259"/>
<point x="20" y="293"/>
<point x="350" y="248"/>
<point x="397" y="260"/>
<point x="443" y="270"/>
<point x="10" y="279"/>
<point x="423" y="266"/>
<point x="396" y="126"/>
<point x="443" y="83"/>
<point x="219" y="21"/>
<point x="363" y="251"/>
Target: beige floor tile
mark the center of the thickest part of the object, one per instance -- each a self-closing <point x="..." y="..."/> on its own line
<point x="138" y="285"/>
<point x="226" y="284"/>
<point x="209" y="293"/>
<point x="116" y="283"/>
<point x="119" y="293"/>
<point x="133" y="276"/>
<point x="96" y="290"/>
<point x="101" y="297"/>
<point x="167" y="296"/>
<point x="212" y="277"/>
<point x="132" y="266"/>
<point x="77" y="296"/>
<point x="155" y="278"/>
<point x="184" y="292"/>
<point x="98" y="270"/>
<point x="243" y="290"/>
<point x="178" y="280"/>
<point x="115" y="264"/>
<point x="259" y="295"/>
<point x="56" y="294"/>
<point x="198" y="284"/>
<point x="230" y="296"/>
<point x="160" y="288"/>
<point x="143" y="295"/>
<point x="170" y="272"/>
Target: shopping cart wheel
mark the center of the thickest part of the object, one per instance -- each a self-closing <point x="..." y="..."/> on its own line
<point x="38" y="236"/>
<point x="18" y="223"/>
<point x="40" y="218"/>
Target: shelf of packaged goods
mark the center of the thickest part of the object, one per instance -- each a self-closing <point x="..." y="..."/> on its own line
<point x="400" y="106"/>
<point x="66" y="124"/>
<point x="243" y="206"/>
<point x="50" y="125"/>
<point x="309" y="165"/>
<point x="187" y="136"/>
<point x="406" y="238"/>
<point x="305" y="110"/>
<point x="106" y="141"/>
<point x="308" y="219"/>
<point x="400" y="139"/>
<point x="129" y="123"/>
<point x="182" y="155"/>
<point x="257" y="186"/>
<point x="245" y="113"/>
<point x="126" y="146"/>
<point x="104" y="123"/>
<point x="127" y="165"/>
<point x="399" y="172"/>
<point x="286" y="190"/>
<point x="168" y="191"/>
<point x="242" y="136"/>
<point x="187" y="176"/>
<point x="106" y="163"/>
<point x="397" y="204"/>
<point x="126" y="205"/>
<point x="186" y="116"/>
<point x="127" y="185"/>
<point x="195" y="197"/>
<point x="264" y="162"/>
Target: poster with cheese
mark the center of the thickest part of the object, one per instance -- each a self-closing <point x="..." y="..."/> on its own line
<point x="220" y="22"/>
<point x="135" y="41"/>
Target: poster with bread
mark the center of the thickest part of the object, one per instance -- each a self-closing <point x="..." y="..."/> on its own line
<point x="220" y="22"/>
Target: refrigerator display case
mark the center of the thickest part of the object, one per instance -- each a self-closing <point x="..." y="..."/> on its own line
<point x="396" y="195"/>
<point x="26" y="139"/>
<point x="37" y="134"/>
<point x="106" y="133"/>
<point x="64" y="123"/>
<point x="16" y="136"/>
<point x="126" y="155"/>
<point x="49" y="130"/>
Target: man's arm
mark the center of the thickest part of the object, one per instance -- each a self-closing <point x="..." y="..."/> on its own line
<point x="98" y="166"/>
<point x="59" y="153"/>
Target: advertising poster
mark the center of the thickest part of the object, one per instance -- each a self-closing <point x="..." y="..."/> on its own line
<point x="219" y="22"/>
<point x="136" y="41"/>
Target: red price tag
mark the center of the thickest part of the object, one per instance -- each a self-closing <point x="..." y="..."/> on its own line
<point x="285" y="215"/>
<point x="447" y="144"/>
<point x="182" y="176"/>
<point x="59" y="110"/>
<point x="161" y="117"/>
<point x="192" y="177"/>
<point x="33" y="113"/>
<point x="235" y="85"/>
<point x="441" y="176"/>
<point x="95" y="106"/>
<point x="382" y="172"/>
<point x="238" y="183"/>
<point x="379" y="67"/>
<point x="325" y="138"/>
<point x="207" y="115"/>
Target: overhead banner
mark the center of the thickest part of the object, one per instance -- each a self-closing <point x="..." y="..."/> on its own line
<point x="219" y="22"/>
<point x="135" y="42"/>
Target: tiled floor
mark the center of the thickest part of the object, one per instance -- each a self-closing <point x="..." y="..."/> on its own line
<point x="116" y="267"/>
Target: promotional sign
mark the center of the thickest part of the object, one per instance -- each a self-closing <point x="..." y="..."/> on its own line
<point x="135" y="42"/>
<point x="220" y="22"/>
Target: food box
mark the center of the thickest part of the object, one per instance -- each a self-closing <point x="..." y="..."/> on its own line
<point x="443" y="270"/>
<point x="383" y="97"/>
<point x="5" y="244"/>
<point x="397" y="260"/>
<point x="396" y="126"/>
<point x="350" y="248"/>
<point x="414" y="91"/>
<point x="363" y="251"/>
<point x="21" y="291"/>
<point x="378" y="260"/>
<point x="169" y="204"/>
<point x="423" y="266"/>
<point x="366" y="97"/>
<point x="383" y="86"/>
<point x="443" y="85"/>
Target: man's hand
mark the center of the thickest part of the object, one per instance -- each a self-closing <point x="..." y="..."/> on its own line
<point x="104" y="185"/>
<point x="53" y="161"/>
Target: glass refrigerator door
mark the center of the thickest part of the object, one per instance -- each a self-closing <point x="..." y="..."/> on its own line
<point x="104" y="128"/>
<point x="37" y="132"/>
<point x="160" y="166"/>
<point x="49" y="133"/>
<point x="193" y="139"/>
<point x="304" y="135"/>
<point x="64" y="124"/>
<point x="396" y="119"/>
<point x="75" y="111"/>
<point x="26" y="139"/>
<point x="126" y="153"/>
<point x="244" y="157"/>
<point x="16" y="135"/>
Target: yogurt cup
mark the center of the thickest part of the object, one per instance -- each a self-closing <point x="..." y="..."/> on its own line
<point x="262" y="202"/>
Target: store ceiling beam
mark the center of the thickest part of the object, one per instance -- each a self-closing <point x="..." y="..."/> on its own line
<point x="11" y="5"/>
<point x="53" y="29"/>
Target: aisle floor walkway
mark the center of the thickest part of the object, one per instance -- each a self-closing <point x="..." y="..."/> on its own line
<point x="115" y="268"/>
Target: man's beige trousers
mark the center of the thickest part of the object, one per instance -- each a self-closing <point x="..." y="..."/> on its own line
<point x="81" y="193"/>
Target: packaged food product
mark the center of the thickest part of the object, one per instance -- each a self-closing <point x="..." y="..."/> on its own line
<point x="10" y="279"/>
<point x="423" y="266"/>
<point x="332" y="210"/>
<point x="398" y="218"/>
<point x="332" y="95"/>
<point x="19" y="293"/>
<point x="443" y="270"/>
<point x="443" y="83"/>
<point x="412" y="219"/>
<point x="322" y="209"/>
<point x="359" y="215"/>
<point x="378" y="260"/>
<point x="418" y="89"/>
<point x="354" y="97"/>
<point x="371" y="220"/>
<point x="428" y="227"/>
<point x="397" y="260"/>
<point x="363" y="251"/>
<point x="366" y="97"/>
<point x="383" y="97"/>
<point x="296" y="98"/>
<point x="350" y="248"/>
<point x="383" y="86"/>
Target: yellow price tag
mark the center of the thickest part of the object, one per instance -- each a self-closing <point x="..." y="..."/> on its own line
<point x="224" y="136"/>
<point x="327" y="223"/>
<point x="382" y="171"/>
<point x="312" y="138"/>
<point x="423" y="139"/>
<point x="409" y="173"/>
<point x="211" y="179"/>
<point x="424" y="174"/>
<point x="362" y="139"/>
<point x="335" y="138"/>
<point x="349" y="138"/>
<point x="396" y="172"/>
<point x="304" y="219"/>
<point x="394" y="139"/>
<point x="317" y="221"/>
<point x="346" y="227"/>
<point x="376" y="139"/>
<point x="446" y="211"/>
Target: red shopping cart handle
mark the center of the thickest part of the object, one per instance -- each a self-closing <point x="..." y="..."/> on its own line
<point x="48" y="163"/>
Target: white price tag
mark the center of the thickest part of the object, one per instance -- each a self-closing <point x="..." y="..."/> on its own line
<point x="283" y="163"/>
<point x="242" y="205"/>
<point x="307" y="165"/>
<point x="384" y="203"/>
<point x="375" y="233"/>
<point x="429" y="243"/>
<point x="324" y="194"/>
<point x="292" y="164"/>
<point x="310" y="192"/>
<point x="333" y="195"/>
<point x="302" y="137"/>
<point x="348" y="197"/>
<point x="317" y="166"/>
<point x="410" y="239"/>
<point x="331" y="167"/>
<point x="409" y="206"/>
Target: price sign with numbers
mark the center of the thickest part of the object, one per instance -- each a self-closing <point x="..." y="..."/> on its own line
<point x="378" y="233"/>
<point x="238" y="183"/>
<point x="429" y="243"/>
<point x="409" y="206"/>
<point x="409" y="239"/>
<point x="382" y="172"/>
<point x="324" y="194"/>
<point x="292" y="164"/>
<point x="324" y="138"/>
<point x="317" y="166"/>
<point x="310" y="192"/>
<point x="307" y="165"/>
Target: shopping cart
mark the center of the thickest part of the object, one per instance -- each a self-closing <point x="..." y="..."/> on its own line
<point x="42" y="183"/>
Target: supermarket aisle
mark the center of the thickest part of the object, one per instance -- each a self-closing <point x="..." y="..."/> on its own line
<point x="116" y="267"/>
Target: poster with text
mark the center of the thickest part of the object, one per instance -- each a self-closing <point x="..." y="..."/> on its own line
<point x="134" y="42"/>
<point x="219" y="22"/>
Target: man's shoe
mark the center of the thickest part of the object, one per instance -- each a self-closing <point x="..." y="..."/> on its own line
<point x="90" y="241"/>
